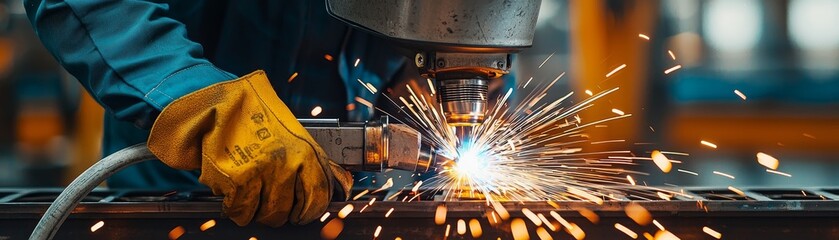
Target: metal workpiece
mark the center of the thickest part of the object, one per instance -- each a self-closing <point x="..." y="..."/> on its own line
<point x="372" y="145"/>
<point x="458" y="25"/>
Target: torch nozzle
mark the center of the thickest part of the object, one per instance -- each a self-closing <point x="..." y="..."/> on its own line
<point x="373" y="145"/>
<point x="464" y="101"/>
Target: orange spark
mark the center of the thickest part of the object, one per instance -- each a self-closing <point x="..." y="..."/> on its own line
<point x="388" y="184"/>
<point x="293" y="75"/>
<point x="626" y="231"/>
<point x="448" y="229"/>
<point x="709" y="144"/>
<point x="665" y="235"/>
<point x="532" y="216"/>
<point x="661" y="161"/>
<point x="364" y="102"/>
<point x="561" y="220"/>
<point x="475" y="227"/>
<point x="546" y="222"/>
<point x="658" y="225"/>
<point x="638" y="214"/>
<point x="416" y="186"/>
<point x="207" y="225"/>
<point x="519" y="229"/>
<point x="664" y="196"/>
<point x="553" y="204"/>
<point x="778" y="172"/>
<point x="440" y="215"/>
<point x="528" y="82"/>
<point x="688" y="172"/>
<point x="585" y="195"/>
<point x="546" y="60"/>
<point x="724" y="174"/>
<point x="590" y="215"/>
<point x="737" y="191"/>
<point x="670" y="70"/>
<point x="711" y="232"/>
<point x="622" y="66"/>
<point x="316" y="111"/>
<point x="378" y="230"/>
<point x="97" y="226"/>
<point x="576" y="231"/>
<point x="618" y="111"/>
<point x="740" y="94"/>
<point x="332" y="229"/>
<point x="372" y="88"/>
<point x="345" y="211"/>
<point x="767" y="161"/>
<point x="502" y="212"/>
<point x="543" y="234"/>
<point x="177" y="232"/>
<point x="359" y="195"/>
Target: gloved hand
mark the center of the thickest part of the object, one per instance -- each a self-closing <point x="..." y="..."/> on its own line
<point x="251" y="149"/>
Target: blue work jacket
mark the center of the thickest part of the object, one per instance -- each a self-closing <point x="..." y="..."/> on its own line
<point x="135" y="57"/>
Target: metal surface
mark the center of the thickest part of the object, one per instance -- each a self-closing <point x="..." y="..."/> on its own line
<point x="373" y="145"/>
<point x="433" y="25"/>
<point x="132" y="214"/>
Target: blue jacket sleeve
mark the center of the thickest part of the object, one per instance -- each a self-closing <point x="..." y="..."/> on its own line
<point x="128" y="54"/>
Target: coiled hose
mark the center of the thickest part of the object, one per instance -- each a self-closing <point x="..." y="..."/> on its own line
<point x="83" y="184"/>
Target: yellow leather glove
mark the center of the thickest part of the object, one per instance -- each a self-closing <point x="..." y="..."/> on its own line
<point x="251" y="149"/>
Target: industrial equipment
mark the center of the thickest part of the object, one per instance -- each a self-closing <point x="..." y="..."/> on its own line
<point x="460" y="44"/>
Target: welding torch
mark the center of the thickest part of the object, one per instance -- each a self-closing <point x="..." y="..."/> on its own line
<point x="374" y="145"/>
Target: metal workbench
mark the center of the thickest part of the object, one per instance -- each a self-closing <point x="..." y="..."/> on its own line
<point x="764" y="213"/>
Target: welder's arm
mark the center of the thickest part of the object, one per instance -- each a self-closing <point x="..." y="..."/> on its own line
<point x="138" y="62"/>
<point x="131" y="57"/>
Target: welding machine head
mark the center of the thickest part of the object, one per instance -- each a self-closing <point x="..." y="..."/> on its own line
<point x="461" y="44"/>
